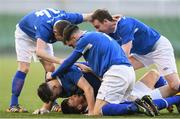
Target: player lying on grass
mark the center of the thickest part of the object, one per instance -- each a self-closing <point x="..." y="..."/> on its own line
<point x="66" y="85"/>
<point x="76" y="104"/>
<point x="107" y="60"/>
<point x="93" y="80"/>
<point x="35" y="34"/>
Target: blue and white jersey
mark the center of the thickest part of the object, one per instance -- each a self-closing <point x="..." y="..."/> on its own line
<point x="100" y="51"/>
<point x="142" y="36"/>
<point x="39" y="24"/>
<point x="70" y="78"/>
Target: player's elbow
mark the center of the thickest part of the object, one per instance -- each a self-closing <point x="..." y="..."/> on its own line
<point x="38" y="52"/>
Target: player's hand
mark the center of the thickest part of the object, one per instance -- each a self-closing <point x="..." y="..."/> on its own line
<point x="89" y="114"/>
<point x="83" y="67"/>
<point x="48" y="76"/>
<point x="41" y="111"/>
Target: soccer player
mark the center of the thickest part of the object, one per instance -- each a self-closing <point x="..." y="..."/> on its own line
<point x="107" y="60"/>
<point x="142" y="88"/>
<point x="35" y="34"/>
<point x="142" y="44"/>
<point x="69" y="106"/>
<point x="72" y="81"/>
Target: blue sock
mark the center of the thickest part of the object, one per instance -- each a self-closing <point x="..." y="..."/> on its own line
<point x="163" y="103"/>
<point x="17" y="85"/>
<point x="118" y="109"/>
<point x="160" y="82"/>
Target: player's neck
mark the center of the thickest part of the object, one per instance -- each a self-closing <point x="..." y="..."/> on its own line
<point x="80" y="34"/>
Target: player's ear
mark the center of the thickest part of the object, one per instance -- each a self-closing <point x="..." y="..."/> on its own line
<point x="79" y="107"/>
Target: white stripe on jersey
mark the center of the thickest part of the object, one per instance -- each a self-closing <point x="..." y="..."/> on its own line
<point x="88" y="46"/>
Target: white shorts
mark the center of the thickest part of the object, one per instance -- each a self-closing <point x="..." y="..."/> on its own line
<point x="162" y="57"/>
<point x="25" y="47"/>
<point x="140" y="89"/>
<point x="117" y="84"/>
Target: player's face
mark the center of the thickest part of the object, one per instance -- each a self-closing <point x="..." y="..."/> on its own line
<point x="75" y="100"/>
<point x="104" y="26"/>
<point x="57" y="35"/>
<point x="71" y="42"/>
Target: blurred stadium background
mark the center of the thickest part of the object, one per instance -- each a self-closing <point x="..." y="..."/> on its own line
<point x="163" y="15"/>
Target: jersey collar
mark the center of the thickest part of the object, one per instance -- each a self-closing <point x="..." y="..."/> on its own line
<point x="117" y="24"/>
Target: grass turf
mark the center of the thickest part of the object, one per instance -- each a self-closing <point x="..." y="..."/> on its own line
<point x="30" y="100"/>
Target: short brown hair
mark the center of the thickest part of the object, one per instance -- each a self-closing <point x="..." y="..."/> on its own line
<point x="45" y="93"/>
<point x="68" y="31"/>
<point x="61" y="25"/>
<point x="100" y="15"/>
<point x="67" y="109"/>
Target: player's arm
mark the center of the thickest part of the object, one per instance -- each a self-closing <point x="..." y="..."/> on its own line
<point x="66" y="64"/>
<point x="87" y="17"/>
<point x="127" y="48"/>
<point x="89" y="94"/>
<point x="41" y="52"/>
<point x="83" y="67"/>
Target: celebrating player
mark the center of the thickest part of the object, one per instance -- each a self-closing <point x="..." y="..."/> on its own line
<point x="34" y="35"/>
<point x="73" y="81"/>
<point x="105" y="58"/>
<point x="142" y="44"/>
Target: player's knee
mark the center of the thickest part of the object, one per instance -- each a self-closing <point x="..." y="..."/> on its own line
<point x="154" y="73"/>
<point x="174" y="85"/>
<point x="173" y="81"/>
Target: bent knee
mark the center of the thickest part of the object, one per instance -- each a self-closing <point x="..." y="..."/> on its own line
<point x="154" y="73"/>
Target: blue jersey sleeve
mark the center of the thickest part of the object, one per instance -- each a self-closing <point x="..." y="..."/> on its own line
<point x="74" y="18"/>
<point x="126" y="30"/>
<point x="67" y="63"/>
<point x="43" y="32"/>
<point x="75" y="74"/>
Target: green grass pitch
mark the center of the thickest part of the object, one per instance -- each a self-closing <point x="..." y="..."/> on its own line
<point x="30" y="100"/>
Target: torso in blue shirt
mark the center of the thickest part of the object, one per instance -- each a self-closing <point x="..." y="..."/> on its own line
<point x="143" y="37"/>
<point x="39" y="24"/>
<point x="71" y="77"/>
<point x="100" y="51"/>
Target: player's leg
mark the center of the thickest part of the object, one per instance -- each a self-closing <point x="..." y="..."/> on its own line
<point x="50" y="67"/>
<point x="164" y="59"/>
<point x="150" y="78"/>
<point x="137" y="64"/>
<point x="114" y="86"/>
<point x="24" y="46"/>
<point x="165" y="102"/>
<point x="138" y="106"/>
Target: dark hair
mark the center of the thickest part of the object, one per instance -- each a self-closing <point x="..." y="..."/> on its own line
<point x="44" y="93"/>
<point x="68" y="31"/>
<point x="60" y="25"/>
<point x="100" y="15"/>
<point x="66" y="109"/>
